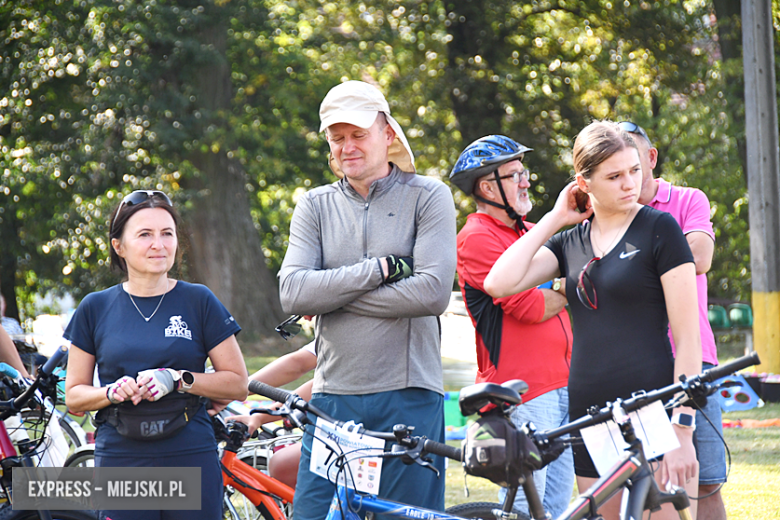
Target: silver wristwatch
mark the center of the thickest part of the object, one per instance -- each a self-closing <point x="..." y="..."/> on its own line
<point x="185" y="380"/>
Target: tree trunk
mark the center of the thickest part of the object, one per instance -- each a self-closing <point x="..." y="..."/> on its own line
<point x="226" y="251"/>
<point x="475" y="98"/>
<point x="729" y="18"/>
<point x="9" y="237"/>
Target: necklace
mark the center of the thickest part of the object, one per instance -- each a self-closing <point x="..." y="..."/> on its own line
<point x="616" y="237"/>
<point x="155" y="309"/>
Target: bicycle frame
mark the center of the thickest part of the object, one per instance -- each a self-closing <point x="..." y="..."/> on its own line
<point x="345" y="496"/>
<point x="255" y="485"/>
<point x="258" y="488"/>
<point x="631" y="475"/>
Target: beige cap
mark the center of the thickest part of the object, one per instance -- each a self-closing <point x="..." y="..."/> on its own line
<point x="358" y="103"/>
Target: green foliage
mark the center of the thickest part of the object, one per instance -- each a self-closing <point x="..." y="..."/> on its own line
<point x="107" y="96"/>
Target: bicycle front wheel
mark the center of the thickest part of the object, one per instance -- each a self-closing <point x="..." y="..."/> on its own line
<point x="482" y="510"/>
<point x="83" y="457"/>
<point x="238" y="507"/>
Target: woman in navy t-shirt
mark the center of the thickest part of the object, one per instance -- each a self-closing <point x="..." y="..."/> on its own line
<point x="629" y="272"/>
<point x="150" y="338"/>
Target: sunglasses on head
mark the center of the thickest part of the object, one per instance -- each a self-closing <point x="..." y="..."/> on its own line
<point x="289" y="327"/>
<point x="137" y="197"/>
<point x="633" y="128"/>
<point x="586" y="291"/>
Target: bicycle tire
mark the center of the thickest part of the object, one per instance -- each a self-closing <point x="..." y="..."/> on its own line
<point x="483" y="510"/>
<point x="33" y="418"/>
<point x="81" y="458"/>
<point x="245" y="510"/>
<point x="259" y="462"/>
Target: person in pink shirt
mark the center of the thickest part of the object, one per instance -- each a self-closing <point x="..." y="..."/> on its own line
<point x="691" y="209"/>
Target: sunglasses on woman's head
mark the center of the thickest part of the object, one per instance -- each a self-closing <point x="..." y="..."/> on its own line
<point x="137" y="197"/>
<point x="289" y="327"/>
<point x="633" y="128"/>
<point x="586" y="291"/>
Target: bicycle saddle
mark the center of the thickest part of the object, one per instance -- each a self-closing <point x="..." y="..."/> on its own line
<point x="475" y="397"/>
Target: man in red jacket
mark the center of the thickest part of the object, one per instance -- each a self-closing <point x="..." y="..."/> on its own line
<point x="525" y="336"/>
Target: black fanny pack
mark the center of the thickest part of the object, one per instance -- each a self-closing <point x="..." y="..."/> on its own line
<point x="151" y="420"/>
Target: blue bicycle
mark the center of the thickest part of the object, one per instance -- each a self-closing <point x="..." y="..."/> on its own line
<point x="632" y="474"/>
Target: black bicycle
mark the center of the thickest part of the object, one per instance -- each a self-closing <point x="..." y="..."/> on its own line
<point x="631" y="474"/>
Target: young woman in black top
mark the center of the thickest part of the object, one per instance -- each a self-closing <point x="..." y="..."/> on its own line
<point x="629" y="272"/>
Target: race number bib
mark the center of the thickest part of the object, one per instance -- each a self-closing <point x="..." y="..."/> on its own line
<point x="605" y="444"/>
<point x="363" y="466"/>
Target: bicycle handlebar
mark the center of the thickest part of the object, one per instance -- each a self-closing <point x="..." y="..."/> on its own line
<point x="8" y="370"/>
<point x="738" y="364"/>
<point x="296" y="403"/>
<point x="15" y="405"/>
<point x="642" y="398"/>
<point x="54" y="360"/>
<point x="443" y="450"/>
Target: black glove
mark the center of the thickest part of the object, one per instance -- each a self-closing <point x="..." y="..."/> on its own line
<point x="399" y="267"/>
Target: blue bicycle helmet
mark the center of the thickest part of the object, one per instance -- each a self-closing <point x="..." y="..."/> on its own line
<point x="484" y="156"/>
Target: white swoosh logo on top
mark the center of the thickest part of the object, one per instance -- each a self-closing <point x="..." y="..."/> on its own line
<point x="625" y="255"/>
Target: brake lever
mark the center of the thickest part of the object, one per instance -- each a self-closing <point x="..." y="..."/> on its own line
<point x="276" y="412"/>
<point x="413" y="455"/>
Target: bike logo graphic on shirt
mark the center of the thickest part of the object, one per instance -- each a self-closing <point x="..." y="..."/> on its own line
<point x="178" y="329"/>
<point x="630" y="251"/>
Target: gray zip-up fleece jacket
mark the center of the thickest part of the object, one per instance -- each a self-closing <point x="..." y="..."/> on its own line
<point x="373" y="337"/>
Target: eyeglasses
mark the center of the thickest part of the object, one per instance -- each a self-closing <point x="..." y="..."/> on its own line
<point x="289" y="327"/>
<point x="516" y="177"/>
<point x="137" y="197"/>
<point x="633" y="128"/>
<point x="586" y="291"/>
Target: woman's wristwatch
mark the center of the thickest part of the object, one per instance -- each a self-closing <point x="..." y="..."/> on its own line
<point x="684" y="420"/>
<point x="185" y="380"/>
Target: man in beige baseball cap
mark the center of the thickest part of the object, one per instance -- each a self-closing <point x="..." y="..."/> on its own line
<point x="358" y="107"/>
<point x="373" y="256"/>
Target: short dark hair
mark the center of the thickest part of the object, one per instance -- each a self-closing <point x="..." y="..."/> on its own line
<point x="596" y="143"/>
<point x="119" y="221"/>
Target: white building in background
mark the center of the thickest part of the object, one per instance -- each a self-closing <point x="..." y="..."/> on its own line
<point x="46" y="330"/>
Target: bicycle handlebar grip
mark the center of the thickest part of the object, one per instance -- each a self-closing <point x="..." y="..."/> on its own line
<point x="54" y="360"/>
<point x="9" y="371"/>
<point x="271" y="392"/>
<point x="729" y="368"/>
<point x="443" y="450"/>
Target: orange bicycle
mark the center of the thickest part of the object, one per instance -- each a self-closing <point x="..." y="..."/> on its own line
<point x="249" y="493"/>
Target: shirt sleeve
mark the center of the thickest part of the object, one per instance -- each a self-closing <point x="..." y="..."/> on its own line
<point x="80" y="329"/>
<point x="670" y="248"/>
<point x="697" y="216"/>
<point x="427" y="291"/>
<point x="304" y="286"/>
<point x="218" y="323"/>
<point x="478" y="253"/>
<point x="555" y="244"/>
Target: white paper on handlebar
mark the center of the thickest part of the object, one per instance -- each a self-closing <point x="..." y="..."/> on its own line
<point x="364" y="465"/>
<point x="652" y="426"/>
